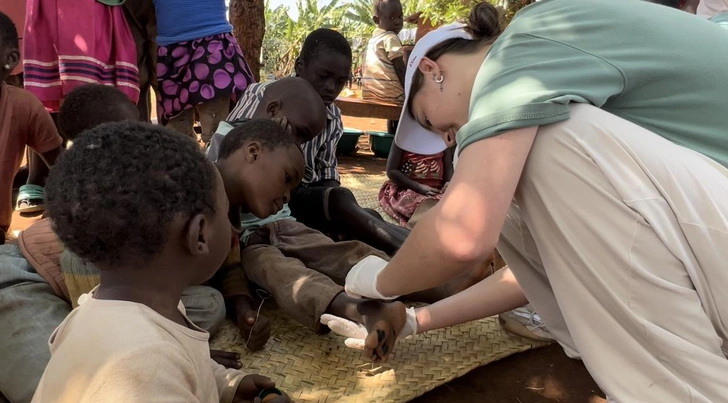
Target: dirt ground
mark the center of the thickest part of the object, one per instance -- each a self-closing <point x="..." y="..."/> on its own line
<point x="536" y="376"/>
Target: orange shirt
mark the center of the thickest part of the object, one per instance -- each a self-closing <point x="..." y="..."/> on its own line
<point x="23" y="122"/>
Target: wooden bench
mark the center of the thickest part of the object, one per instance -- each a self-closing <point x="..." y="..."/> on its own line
<point x="368" y="109"/>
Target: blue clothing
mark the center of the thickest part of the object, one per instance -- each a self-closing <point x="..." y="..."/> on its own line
<point x="187" y="20"/>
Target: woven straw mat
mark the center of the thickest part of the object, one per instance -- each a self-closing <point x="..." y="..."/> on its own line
<point x="313" y="368"/>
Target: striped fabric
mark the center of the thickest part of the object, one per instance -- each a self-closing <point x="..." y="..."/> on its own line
<point x="379" y="79"/>
<point x="93" y="45"/>
<point x="320" y="153"/>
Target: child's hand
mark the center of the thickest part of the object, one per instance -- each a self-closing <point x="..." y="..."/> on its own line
<point x="428" y="191"/>
<point x="251" y="386"/>
<point x="255" y="333"/>
<point x="226" y="358"/>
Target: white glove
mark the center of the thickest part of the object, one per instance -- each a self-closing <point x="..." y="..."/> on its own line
<point x="356" y="333"/>
<point x="362" y="278"/>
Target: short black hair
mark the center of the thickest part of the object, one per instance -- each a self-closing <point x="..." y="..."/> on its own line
<point x="91" y="105"/>
<point x="265" y="131"/>
<point x="113" y="196"/>
<point x="379" y="5"/>
<point x="324" y="39"/>
<point x="8" y="32"/>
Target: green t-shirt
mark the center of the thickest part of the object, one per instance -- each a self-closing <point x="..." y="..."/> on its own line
<point x="660" y="68"/>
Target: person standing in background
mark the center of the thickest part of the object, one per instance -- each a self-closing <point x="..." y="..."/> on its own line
<point x="200" y="66"/>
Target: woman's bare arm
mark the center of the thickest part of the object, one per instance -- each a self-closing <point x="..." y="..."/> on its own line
<point x="463" y="228"/>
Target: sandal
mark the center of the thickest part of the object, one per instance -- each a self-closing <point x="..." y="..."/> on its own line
<point x="30" y="199"/>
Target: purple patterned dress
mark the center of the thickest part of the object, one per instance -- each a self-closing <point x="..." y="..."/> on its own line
<point x="195" y="72"/>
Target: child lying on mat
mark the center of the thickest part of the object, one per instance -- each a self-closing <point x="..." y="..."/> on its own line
<point x="300" y="267"/>
<point x="153" y="225"/>
<point x="320" y="202"/>
<point x="41" y="279"/>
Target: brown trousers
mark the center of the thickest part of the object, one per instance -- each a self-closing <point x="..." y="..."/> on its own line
<point x="303" y="269"/>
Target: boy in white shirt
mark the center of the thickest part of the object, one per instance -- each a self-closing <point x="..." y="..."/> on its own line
<point x="153" y="225"/>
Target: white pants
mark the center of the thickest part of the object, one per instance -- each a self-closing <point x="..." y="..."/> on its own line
<point x="619" y="238"/>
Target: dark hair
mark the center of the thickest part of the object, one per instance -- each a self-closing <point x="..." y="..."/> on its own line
<point x="8" y="32"/>
<point x="324" y="39"/>
<point x="91" y="105"/>
<point x="379" y="5"/>
<point x="265" y="131"/>
<point x="113" y="196"/>
<point x="668" y="3"/>
<point x="484" y="25"/>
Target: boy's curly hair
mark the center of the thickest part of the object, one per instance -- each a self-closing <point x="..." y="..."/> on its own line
<point x="114" y="194"/>
<point x="91" y="105"/>
<point x="265" y="131"/>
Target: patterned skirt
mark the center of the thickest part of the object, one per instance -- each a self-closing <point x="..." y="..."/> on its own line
<point x="400" y="203"/>
<point x="194" y="72"/>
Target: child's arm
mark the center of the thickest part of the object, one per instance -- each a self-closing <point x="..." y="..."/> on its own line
<point x="233" y="284"/>
<point x="237" y="387"/>
<point x="399" y="178"/>
<point x="395" y="54"/>
<point x="691" y="6"/>
<point x="227" y="381"/>
<point x="43" y="137"/>
<point x="447" y="160"/>
<point x="400" y="67"/>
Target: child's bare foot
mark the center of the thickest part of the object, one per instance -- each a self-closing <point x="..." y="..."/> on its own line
<point x="383" y="321"/>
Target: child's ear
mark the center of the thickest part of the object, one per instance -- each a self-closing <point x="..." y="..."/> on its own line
<point x="11" y="60"/>
<point x="252" y="151"/>
<point x="273" y="108"/>
<point x="428" y="66"/>
<point x="376" y="20"/>
<point x="197" y="235"/>
<point x="298" y="67"/>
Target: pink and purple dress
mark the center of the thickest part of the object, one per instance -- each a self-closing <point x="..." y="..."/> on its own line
<point x="69" y="43"/>
<point x="199" y="58"/>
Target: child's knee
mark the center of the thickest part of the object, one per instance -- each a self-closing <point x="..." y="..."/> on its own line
<point x="205" y="307"/>
<point x="341" y="198"/>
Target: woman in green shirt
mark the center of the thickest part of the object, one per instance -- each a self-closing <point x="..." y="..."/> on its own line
<point x="592" y="149"/>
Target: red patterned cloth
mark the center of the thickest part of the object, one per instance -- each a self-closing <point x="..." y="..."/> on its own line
<point x="428" y="170"/>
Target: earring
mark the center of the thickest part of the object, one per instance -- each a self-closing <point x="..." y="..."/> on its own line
<point x="6" y="66"/>
<point x="438" y="79"/>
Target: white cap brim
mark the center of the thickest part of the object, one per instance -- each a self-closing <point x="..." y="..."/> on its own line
<point x="411" y="136"/>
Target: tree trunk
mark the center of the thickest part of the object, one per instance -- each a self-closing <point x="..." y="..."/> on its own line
<point x="248" y="20"/>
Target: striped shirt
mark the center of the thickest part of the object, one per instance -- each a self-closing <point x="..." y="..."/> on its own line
<point x="379" y="79"/>
<point x="319" y="153"/>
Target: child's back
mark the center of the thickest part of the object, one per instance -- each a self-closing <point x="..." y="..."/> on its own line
<point x="147" y="355"/>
